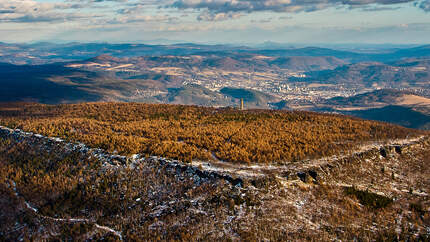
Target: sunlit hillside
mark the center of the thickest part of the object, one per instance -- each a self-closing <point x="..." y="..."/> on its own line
<point x="190" y="132"/>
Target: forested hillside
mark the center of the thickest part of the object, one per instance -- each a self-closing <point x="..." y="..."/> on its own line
<point x="52" y="189"/>
<point x="192" y="132"/>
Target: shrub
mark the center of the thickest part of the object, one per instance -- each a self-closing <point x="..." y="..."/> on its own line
<point x="369" y="199"/>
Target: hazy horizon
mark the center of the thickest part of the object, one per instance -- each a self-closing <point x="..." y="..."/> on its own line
<point x="258" y="45"/>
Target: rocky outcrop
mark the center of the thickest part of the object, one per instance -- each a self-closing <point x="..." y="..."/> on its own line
<point x="320" y="170"/>
<point x="310" y="171"/>
<point x="109" y="160"/>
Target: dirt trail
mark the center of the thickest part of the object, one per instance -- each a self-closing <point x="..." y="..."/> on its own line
<point x="227" y="168"/>
<point x="256" y="170"/>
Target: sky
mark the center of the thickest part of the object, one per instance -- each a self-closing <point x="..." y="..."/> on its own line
<point x="216" y="21"/>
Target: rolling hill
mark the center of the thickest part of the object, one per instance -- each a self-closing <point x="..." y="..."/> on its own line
<point x="367" y="75"/>
<point x="378" y="98"/>
<point x="400" y="107"/>
<point x="252" y="98"/>
<point x="196" y="95"/>
<point x="401" y="115"/>
<point x="54" y="83"/>
<point x="305" y="63"/>
<point x="32" y="83"/>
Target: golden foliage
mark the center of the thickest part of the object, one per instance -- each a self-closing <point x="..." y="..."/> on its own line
<point x="191" y="132"/>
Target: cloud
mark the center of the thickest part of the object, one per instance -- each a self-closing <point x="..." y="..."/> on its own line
<point x="210" y="16"/>
<point x="173" y="14"/>
<point x="29" y="18"/>
<point x="142" y="18"/>
<point x="377" y="9"/>
<point x="285" y="17"/>
<point x="3" y="11"/>
<point x="424" y="5"/>
<point x="24" y="11"/>
<point x="262" y="21"/>
<point x="289" y="6"/>
<point x="133" y="9"/>
<point x="98" y="1"/>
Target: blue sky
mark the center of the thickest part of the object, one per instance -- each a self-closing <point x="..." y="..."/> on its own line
<point x="217" y="21"/>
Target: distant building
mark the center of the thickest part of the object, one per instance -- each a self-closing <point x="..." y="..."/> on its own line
<point x="241" y="104"/>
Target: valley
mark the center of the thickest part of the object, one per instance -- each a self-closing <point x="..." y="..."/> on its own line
<point x="298" y="79"/>
<point x="214" y="120"/>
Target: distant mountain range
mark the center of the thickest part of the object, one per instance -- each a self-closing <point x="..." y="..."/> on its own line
<point x="54" y="83"/>
<point x="374" y="74"/>
<point x="155" y="79"/>
<point x="42" y="53"/>
<point x="220" y="75"/>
